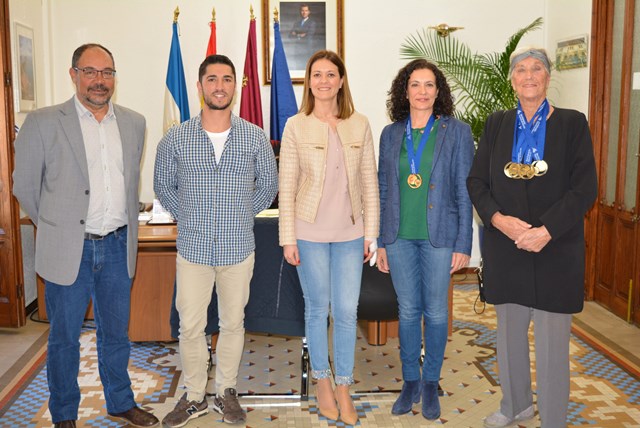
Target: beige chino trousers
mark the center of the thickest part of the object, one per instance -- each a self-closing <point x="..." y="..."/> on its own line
<point x="195" y="285"/>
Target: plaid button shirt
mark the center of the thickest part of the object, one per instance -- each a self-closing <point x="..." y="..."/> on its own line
<point x="215" y="204"/>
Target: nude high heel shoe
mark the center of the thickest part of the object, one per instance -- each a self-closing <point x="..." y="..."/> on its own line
<point x="348" y="413"/>
<point x="326" y="401"/>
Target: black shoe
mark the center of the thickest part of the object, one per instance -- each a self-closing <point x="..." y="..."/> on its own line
<point x="65" y="424"/>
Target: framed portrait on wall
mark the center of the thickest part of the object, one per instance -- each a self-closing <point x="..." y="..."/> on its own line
<point x="25" y="78"/>
<point x="305" y="27"/>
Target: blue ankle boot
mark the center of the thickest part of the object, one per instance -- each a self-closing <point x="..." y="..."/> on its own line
<point x="430" y="400"/>
<point x="410" y="394"/>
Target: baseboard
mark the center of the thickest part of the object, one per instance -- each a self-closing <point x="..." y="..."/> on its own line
<point x="32" y="307"/>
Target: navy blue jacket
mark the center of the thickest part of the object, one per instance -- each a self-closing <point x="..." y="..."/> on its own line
<point x="449" y="212"/>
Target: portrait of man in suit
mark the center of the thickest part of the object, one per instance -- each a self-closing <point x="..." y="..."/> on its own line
<point x="77" y="173"/>
<point x="306" y="32"/>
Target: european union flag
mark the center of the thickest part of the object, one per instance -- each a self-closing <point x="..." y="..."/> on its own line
<point x="283" y="100"/>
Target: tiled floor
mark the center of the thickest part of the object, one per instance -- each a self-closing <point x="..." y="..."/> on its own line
<point x="602" y="394"/>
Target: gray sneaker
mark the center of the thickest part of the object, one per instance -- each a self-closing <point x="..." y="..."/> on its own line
<point x="184" y="412"/>
<point x="229" y="407"/>
<point x="498" y="420"/>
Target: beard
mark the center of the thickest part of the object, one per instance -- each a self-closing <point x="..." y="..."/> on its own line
<point x="98" y="100"/>
<point x="208" y="100"/>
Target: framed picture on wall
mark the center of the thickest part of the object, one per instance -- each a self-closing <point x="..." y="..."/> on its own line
<point x="25" y="78"/>
<point x="572" y="53"/>
<point x="305" y="27"/>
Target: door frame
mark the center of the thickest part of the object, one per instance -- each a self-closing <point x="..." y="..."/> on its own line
<point x="599" y="115"/>
<point x="12" y="305"/>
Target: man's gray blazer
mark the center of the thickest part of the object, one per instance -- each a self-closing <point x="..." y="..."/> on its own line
<point x="51" y="181"/>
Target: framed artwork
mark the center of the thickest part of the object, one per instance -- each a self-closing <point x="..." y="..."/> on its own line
<point x="572" y="53"/>
<point x="305" y="27"/>
<point x="26" y="68"/>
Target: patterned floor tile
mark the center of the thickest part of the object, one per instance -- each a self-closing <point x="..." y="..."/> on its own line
<point x="602" y="393"/>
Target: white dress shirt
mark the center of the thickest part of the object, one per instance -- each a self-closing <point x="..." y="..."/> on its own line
<point x="103" y="147"/>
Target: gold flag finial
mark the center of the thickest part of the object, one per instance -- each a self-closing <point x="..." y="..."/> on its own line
<point x="253" y="18"/>
<point x="213" y="15"/>
<point x="175" y="14"/>
<point x="275" y="14"/>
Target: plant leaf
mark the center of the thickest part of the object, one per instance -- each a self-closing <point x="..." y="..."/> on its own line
<point x="479" y="82"/>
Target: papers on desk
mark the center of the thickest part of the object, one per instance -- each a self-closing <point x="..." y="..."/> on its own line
<point x="144" y="216"/>
<point x="159" y="215"/>
<point x="272" y="212"/>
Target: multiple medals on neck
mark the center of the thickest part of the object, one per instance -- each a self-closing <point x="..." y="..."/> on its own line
<point x="528" y="145"/>
<point x="415" y="179"/>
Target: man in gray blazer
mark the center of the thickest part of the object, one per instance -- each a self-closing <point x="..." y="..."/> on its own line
<point x="76" y="175"/>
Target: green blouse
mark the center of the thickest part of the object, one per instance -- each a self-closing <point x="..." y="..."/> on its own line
<point x="413" y="202"/>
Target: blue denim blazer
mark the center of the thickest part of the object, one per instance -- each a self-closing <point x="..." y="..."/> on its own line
<point x="449" y="212"/>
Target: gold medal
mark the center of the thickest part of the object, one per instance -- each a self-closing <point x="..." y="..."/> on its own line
<point x="527" y="172"/>
<point x="514" y="170"/>
<point x="540" y="167"/>
<point x="507" y="168"/>
<point x="414" y="181"/>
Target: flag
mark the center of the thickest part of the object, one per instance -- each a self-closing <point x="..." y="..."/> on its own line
<point x="211" y="47"/>
<point x="283" y="100"/>
<point x="176" y="101"/>
<point x="250" y="103"/>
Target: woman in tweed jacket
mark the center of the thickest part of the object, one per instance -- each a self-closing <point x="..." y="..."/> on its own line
<point x="329" y="215"/>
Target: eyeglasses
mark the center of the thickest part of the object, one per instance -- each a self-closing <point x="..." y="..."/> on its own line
<point x="92" y="73"/>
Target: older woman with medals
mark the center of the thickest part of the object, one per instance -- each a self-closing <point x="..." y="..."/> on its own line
<point x="329" y="213"/>
<point x="532" y="181"/>
<point x="425" y="226"/>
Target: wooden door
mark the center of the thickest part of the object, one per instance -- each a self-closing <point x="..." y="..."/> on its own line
<point x="613" y="279"/>
<point x="12" y="307"/>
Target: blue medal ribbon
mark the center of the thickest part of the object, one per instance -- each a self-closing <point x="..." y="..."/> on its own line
<point x="414" y="157"/>
<point x="529" y="137"/>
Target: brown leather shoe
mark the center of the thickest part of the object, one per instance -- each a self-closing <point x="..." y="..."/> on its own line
<point x="65" y="424"/>
<point x="137" y="417"/>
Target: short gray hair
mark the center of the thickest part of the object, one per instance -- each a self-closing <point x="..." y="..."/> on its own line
<point x="529" y="52"/>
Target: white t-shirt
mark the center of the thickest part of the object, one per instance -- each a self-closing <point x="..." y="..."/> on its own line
<point x="218" y="139"/>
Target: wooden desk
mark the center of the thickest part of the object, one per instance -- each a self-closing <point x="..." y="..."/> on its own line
<point x="152" y="288"/>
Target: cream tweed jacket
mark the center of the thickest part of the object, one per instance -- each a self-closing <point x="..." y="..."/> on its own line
<point x="303" y="155"/>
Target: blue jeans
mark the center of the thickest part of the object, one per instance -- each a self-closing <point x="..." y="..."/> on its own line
<point x="330" y="275"/>
<point x="420" y="274"/>
<point x="102" y="277"/>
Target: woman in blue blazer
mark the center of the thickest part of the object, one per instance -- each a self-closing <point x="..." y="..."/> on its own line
<point x="426" y="215"/>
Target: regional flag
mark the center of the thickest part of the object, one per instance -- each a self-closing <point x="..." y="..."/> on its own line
<point x="283" y="99"/>
<point x="250" y="103"/>
<point x="176" y="101"/>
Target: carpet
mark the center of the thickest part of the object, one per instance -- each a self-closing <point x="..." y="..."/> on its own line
<point x="605" y="389"/>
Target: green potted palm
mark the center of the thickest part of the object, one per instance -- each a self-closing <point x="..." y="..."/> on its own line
<point x="480" y="82"/>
